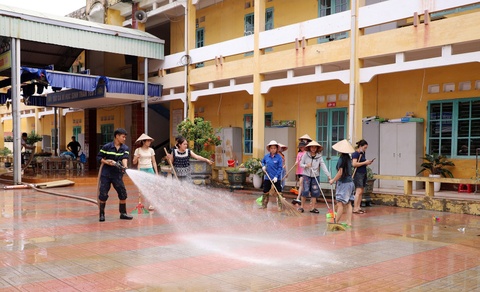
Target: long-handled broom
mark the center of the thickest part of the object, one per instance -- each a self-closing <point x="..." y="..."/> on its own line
<point x="170" y="163"/>
<point x="289" y="209"/>
<point x="321" y="191"/>
<point x="334" y="226"/>
<point x="139" y="209"/>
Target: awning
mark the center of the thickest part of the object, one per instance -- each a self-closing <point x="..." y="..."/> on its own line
<point x="78" y="34"/>
<point x="85" y="91"/>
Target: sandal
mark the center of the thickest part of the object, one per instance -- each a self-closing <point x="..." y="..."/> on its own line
<point x="359" y="212"/>
<point x="314" y="211"/>
<point x="300" y="210"/>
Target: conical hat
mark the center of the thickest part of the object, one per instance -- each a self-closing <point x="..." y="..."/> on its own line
<point x="314" y="143"/>
<point x="282" y="147"/>
<point x="305" y="137"/>
<point x="273" y="142"/>
<point x="343" y="147"/>
<point x="144" y="137"/>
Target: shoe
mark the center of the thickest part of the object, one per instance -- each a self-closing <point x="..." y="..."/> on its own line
<point x="314" y="211"/>
<point x="300" y="210"/>
<point x="125" y="216"/>
<point x="101" y="218"/>
<point x="359" y="212"/>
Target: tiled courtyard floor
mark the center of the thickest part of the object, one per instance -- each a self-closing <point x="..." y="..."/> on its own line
<point x="220" y="241"/>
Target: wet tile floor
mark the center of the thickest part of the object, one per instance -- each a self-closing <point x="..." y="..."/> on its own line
<point x="53" y="243"/>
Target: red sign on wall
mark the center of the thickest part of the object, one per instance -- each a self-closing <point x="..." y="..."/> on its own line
<point x="331" y="104"/>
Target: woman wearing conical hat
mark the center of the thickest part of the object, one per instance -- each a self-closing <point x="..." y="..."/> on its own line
<point x="311" y="162"/>
<point x="282" y="148"/>
<point x="345" y="187"/>
<point x="305" y="139"/>
<point x="145" y="155"/>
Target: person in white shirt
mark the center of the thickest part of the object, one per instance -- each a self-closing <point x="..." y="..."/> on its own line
<point x="145" y="155"/>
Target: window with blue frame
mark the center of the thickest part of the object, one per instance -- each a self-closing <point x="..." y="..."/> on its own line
<point x="77" y="130"/>
<point x="453" y="127"/>
<point x="249" y="25"/>
<point x="248" y="130"/>
<point x="329" y="7"/>
<point x="199" y="42"/>
<point x="107" y="133"/>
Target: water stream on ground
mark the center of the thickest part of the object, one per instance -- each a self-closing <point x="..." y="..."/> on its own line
<point x="217" y="221"/>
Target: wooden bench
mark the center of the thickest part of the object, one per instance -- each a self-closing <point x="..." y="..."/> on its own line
<point x="408" y="182"/>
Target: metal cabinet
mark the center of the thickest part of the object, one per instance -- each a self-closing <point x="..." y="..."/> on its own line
<point x="400" y="152"/>
<point x="286" y="136"/>
<point x="231" y="147"/>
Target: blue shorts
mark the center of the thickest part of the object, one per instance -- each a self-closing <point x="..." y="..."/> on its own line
<point x="345" y="192"/>
<point x="360" y="180"/>
<point x="149" y="170"/>
<point x="310" y="185"/>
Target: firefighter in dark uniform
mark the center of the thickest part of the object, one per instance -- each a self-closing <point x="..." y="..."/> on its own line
<point x="114" y="158"/>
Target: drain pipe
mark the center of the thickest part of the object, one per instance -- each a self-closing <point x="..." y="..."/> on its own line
<point x="353" y="70"/>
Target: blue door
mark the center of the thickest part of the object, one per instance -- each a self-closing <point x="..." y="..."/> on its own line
<point x="331" y="128"/>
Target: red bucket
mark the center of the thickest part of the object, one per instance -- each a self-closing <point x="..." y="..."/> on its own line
<point x="231" y="163"/>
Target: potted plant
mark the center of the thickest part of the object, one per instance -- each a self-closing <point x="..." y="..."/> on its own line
<point x="4" y="154"/>
<point x="33" y="138"/>
<point x="254" y="167"/>
<point x="435" y="164"/>
<point x="201" y="133"/>
<point x="366" y="199"/>
<point x="236" y="176"/>
<point x="204" y="138"/>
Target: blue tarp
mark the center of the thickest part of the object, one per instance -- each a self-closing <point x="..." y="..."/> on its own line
<point x="84" y="82"/>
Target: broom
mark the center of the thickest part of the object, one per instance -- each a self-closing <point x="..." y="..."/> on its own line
<point x="289" y="209"/>
<point x="171" y="165"/>
<point x="139" y="209"/>
<point x="334" y="226"/>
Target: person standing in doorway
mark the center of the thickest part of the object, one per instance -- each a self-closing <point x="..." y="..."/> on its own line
<point x="114" y="159"/>
<point x="360" y="162"/>
<point x="74" y="147"/>
<point x="145" y="155"/>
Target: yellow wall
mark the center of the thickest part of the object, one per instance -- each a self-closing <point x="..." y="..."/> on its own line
<point x="111" y="115"/>
<point x="225" y="21"/>
<point x="388" y="96"/>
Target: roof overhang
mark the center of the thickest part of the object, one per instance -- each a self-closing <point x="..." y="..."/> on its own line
<point x="73" y="98"/>
<point x="79" y="34"/>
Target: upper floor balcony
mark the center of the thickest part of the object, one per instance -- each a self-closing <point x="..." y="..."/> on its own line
<point x="394" y="36"/>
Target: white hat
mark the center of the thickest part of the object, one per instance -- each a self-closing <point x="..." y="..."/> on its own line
<point x="144" y="137"/>
<point x="273" y="142"/>
<point x="282" y="147"/>
<point x="343" y="147"/>
<point x="305" y="137"/>
<point x="315" y="143"/>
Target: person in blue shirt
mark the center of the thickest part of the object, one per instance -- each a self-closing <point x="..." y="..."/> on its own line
<point x="273" y="165"/>
<point x="114" y="158"/>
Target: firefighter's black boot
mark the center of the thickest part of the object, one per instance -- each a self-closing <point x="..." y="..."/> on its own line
<point x="101" y="206"/>
<point x="123" y="212"/>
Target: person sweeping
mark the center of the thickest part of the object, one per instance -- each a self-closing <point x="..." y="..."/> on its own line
<point x="272" y="166"/>
<point x="345" y="187"/>
<point x="311" y="162"/>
